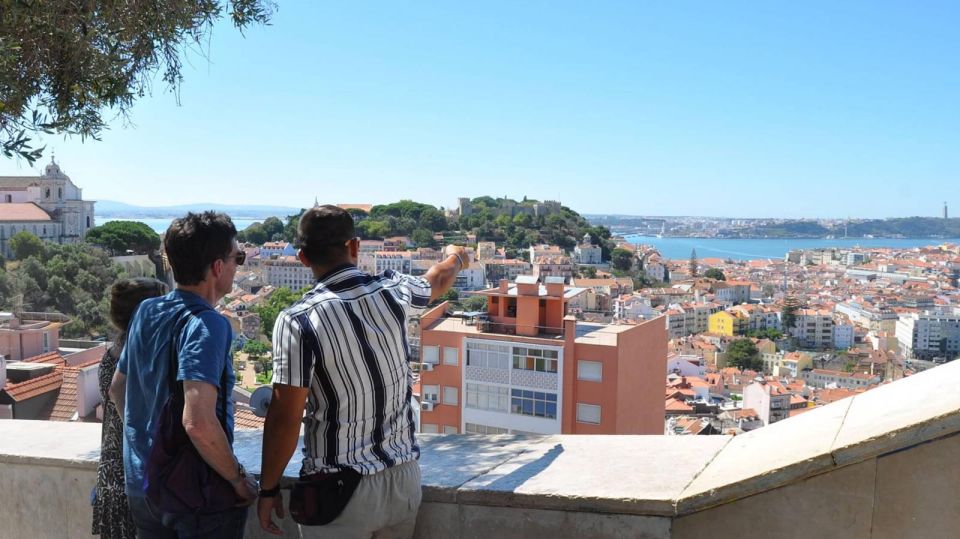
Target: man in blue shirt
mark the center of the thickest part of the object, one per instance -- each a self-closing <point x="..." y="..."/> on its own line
<point x="204" y="255"/>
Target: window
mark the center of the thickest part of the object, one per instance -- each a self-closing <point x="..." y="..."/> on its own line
<point x="451" y="396"/>
<point x="533" y="403"/>
<point x="588" y="413"/>
<point x="488" y="355"/>
<point x="431" y="354"/>
<point x="535" y="359"/>
<point x="447" y="429"/>
<point x="46" y="342"/>
<point x="428" y="428"/>
<point x="590" y="371"/>
<point x="430" y="393"/>
<point x="486" y="397"/>
<point x="449" y="356"/>
<point x="475" y="428"/>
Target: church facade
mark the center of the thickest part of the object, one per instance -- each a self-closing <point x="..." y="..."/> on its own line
<point x="49" y="206"/>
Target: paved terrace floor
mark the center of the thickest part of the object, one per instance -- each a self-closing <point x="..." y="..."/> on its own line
<point x="882" y="464"/>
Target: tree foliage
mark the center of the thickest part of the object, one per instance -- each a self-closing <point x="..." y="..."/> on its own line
<point x="270" y="309"/>
<point x="120" y="236"/>
<point x="255" y="349"/>
<point x="65" y="63"/>
<point x="621" y="259"/>
<point x="271" y="229"/>
<point x="71" y="279"/>
<point x="715" y="273"/>
<point x="24" y="245"/>
<point x="693" y="265"/>
<point x="744" y="355"/>
<point x="475" y="303"/>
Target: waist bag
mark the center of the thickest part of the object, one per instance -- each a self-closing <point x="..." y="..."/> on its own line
<point x="319" y="498"/>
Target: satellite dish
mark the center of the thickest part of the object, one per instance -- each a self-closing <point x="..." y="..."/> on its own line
<point x="260" y="400"/>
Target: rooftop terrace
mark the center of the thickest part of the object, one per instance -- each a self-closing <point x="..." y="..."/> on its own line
<point x="881" y="464"/>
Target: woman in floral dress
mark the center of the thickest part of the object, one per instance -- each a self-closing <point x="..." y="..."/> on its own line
<point x="111" y="514"/>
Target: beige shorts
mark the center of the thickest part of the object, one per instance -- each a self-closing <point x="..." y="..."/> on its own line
<point x="384" y="506"/>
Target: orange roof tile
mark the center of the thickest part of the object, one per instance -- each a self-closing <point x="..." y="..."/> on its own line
<point x="34" y="387"/>
<point x="52" y="358"/>
<point x="244" y="419"/>
<point x="23" y="211"/>
<point x="66" y="404"/>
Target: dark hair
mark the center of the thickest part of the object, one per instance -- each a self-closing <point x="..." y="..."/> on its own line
<point x="125" y="296"/>
<point x="323" y="234"/>
<point x="194" y="242"/>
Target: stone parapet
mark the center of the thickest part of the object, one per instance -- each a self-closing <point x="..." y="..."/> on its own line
<point x="880" y="464"/>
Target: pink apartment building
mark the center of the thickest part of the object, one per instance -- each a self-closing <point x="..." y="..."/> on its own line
<point x="527" y="367"/>
<point x="20" y="339"/>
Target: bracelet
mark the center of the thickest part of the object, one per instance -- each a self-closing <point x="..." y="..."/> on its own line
<point x="269" y="492"/>
<point x="462" y="265"/>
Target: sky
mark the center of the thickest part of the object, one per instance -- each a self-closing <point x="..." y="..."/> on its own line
<point x="746" y="109"/>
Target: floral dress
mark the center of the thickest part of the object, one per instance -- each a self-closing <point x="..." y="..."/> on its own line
<point x="111" y="514"/>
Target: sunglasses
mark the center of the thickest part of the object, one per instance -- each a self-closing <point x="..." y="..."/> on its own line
<point x="239" y="258"/>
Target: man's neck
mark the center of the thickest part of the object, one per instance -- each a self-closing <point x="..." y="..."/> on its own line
<point x="320" y="271"/>
<point x="205" y="290"/>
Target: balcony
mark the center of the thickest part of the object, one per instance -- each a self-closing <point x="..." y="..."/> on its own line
<point x="878" y="465"/>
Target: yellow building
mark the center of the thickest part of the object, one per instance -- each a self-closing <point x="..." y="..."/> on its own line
<point x="727" y="323"/>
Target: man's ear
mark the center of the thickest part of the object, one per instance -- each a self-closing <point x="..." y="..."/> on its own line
<point x="354" y="247"/>
<point x="216" y="269"/>
<point x="303" y="258"/>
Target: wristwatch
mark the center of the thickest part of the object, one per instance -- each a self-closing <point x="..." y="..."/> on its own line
<point x="241" y="474"/>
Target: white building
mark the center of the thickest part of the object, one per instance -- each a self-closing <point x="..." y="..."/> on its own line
<point x="286" y="271"/>
<point x="587" y="253"/>
<point x="394" y="260"/>
<point x="770" y="401"/>
<point x="470" y="278"/>
<point x="686" y="365"/>
<point x="929" y="335"/>
<point x="49" y="206"/>
<point x="813" y="329"/>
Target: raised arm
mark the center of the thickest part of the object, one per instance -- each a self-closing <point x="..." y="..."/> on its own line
<point x="443" y="274"/>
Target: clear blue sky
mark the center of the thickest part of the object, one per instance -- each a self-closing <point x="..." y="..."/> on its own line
<point x="818" y="109"/>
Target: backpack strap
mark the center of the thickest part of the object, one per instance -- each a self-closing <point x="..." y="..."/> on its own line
<point x="176" y="386"/>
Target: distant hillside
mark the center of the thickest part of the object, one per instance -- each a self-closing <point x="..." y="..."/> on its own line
<point x="906" y="227"/>
<point x="110" y="208"/>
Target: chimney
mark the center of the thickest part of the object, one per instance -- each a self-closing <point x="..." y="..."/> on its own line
<point x="504" y="286"/>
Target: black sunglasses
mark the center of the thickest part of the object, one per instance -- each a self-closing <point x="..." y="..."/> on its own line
<point x="239" y="258"/>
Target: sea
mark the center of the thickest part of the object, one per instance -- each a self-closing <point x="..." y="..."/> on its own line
<point x="160" y="225"/>
<point x="753" y="249"/>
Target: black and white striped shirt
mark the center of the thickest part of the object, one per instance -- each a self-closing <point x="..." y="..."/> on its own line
<point x="346" y="341"/>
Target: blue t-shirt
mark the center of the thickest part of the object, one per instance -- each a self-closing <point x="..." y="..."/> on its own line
<point x="203" y="354"/>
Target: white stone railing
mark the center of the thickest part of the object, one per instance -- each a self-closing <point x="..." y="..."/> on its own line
<point x="882" y="464"/>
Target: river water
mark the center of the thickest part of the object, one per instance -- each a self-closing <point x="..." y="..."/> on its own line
<point x="751" y="249"/>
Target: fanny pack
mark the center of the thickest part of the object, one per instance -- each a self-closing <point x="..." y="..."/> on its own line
<point x="319" y="498"/>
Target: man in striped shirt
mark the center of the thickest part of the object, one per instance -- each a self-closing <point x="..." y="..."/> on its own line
<point x="341" y="354"/>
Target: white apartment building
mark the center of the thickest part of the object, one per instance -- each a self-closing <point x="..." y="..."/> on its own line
<point x="813" y="329"/>
<point x="770" y="401"/>
<point x="470" y="278"/>
<point x="825" y="378"/>
<point x="929" y="335"/>
<point x="286" y="271"/>
<point x="394" y="260"/>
